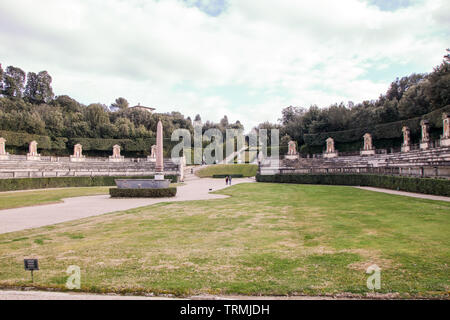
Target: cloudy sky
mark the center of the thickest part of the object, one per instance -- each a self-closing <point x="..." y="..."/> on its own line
<point x="244" y="58"/>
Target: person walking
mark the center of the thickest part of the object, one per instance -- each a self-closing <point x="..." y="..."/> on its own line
<point x="229" y="180"/>
<point x="226" y="180"/>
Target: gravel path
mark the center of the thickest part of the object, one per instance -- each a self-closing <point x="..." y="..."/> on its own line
<point x="407" y="194"/>
<point x="82" y="207"/>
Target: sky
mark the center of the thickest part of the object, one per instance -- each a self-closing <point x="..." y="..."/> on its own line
<point x="247" y="59"/>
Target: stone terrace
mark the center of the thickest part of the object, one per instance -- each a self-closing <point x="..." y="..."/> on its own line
<point x="431" y="162"/>
<point x="19" y="167"/>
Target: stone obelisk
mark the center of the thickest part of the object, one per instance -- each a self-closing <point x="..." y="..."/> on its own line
<point x="159" y="152"/>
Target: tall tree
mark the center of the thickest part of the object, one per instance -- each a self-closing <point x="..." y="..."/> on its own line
<point x="32" y="86"/>
<point x="44" y="88"/>
<point x="120" y="103"/>
<point x="14" y="80"/>
<point x="1" y="79"/>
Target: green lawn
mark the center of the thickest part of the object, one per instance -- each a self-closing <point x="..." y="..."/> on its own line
<point x="247" y="170"/>
<point x="271" y="239"/>
<point x="30" y="198"/>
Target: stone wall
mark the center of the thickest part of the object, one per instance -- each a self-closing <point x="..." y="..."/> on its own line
<point x="433" y="162"/>
<point x="19" y="167"/>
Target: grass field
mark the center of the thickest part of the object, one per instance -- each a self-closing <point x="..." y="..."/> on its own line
<point x="30" y="198"/>
<point x="270" y="239"/>
<point x="247" y="170"/>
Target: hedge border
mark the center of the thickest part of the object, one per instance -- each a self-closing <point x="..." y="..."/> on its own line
<point x="223" y="176"/>
<point x="67" y="182"/>
<point x="434" y="186"/>
<point x="143" y="193"/>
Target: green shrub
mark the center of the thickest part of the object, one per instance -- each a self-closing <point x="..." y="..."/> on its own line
<point x="143" y="193"/>
<point x="22" y="139"/>
<point x="434" y="186"/>
<point x="66" y="182"/>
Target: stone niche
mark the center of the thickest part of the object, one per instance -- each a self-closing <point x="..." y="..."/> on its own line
<point x="406" y="146"/>
<point x="152" y="156"/>
<point x="445" y="138"/>
<point x="330" y="152"/>
<point x="77" y="154"/>
<point x="3" y="154"/>
<point x="368" y="149"/>
<point x="116" y="157"/>
<point x="425" y="141"/>
<point x="32" y="154"/>
<point x="292" y="151"/>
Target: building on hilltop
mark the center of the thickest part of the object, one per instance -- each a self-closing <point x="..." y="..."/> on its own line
<point x="144" y="108"/>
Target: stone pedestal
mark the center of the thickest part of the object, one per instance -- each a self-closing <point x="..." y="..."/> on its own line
<point x="151" y="159"/>
<point x="425" y="145"/>
<point x="77" y="158"/>
<point x="368" y="152"/>
<point x="4" y="156"/>
<point x="445" y="142"/>
<point x="159" y="176"/>
<point x="330" y="154"/>
<point x="36" y="157"/>
<point x="142" y="183"/>
<point x="406" y="148"/>
<point x="292" y="157"/>
<point x="116" y="159"/>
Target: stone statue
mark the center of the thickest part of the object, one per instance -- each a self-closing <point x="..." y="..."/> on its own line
<point x="406" y="136"/>
<point x="425" y="134"/>
<point x="330" y="152"/>
<point x="116" y="151"/>
<point x="368" y="141"/>
<point x="292" y="148"/>
<point x="116" y="157"/>
<point x="2" y="147"/>
<point x="446" y="125"/>
<point x="77" y="153"/>
<point x="445" y="139"/>
<point x="330" y="145"/>
<point x="77" y="150"/>
<point x="368" y="149"/>
<point x="153" y="152"/>
<point x="32" y="148"/>
<point x="406" y="146"/>
<point x="425" y="141"/>
<point x="32" y="151"/>
<point x="3" y="154"/>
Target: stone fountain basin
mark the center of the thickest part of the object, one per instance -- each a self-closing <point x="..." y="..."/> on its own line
<point x="142" y="183"/>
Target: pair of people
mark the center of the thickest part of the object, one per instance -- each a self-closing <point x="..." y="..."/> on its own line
<point x="228" y="180"/>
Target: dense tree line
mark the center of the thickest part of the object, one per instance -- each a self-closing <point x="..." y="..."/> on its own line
<point x="406" y="98"/>
<point x="28" y="104"/>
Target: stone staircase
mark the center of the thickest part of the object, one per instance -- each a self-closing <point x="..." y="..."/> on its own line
<point x="48" y="168"/>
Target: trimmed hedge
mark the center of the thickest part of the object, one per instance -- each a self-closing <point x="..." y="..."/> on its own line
<point x="440" y="187"/>
<point x="22" y="139"/>
<point x="392" y="130"/>
<point x="228" y="175"/>
<point x="143" y="193"/>
<point x="65" y="182"/>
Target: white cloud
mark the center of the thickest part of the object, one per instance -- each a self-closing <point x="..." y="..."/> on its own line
<point x="295" y="52"/>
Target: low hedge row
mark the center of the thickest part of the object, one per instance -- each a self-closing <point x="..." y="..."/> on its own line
<point x="143" y="193"/>
<point x="223" y="176"/>
<point x="440" y="187"/>
<point x="65" y="182"/>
